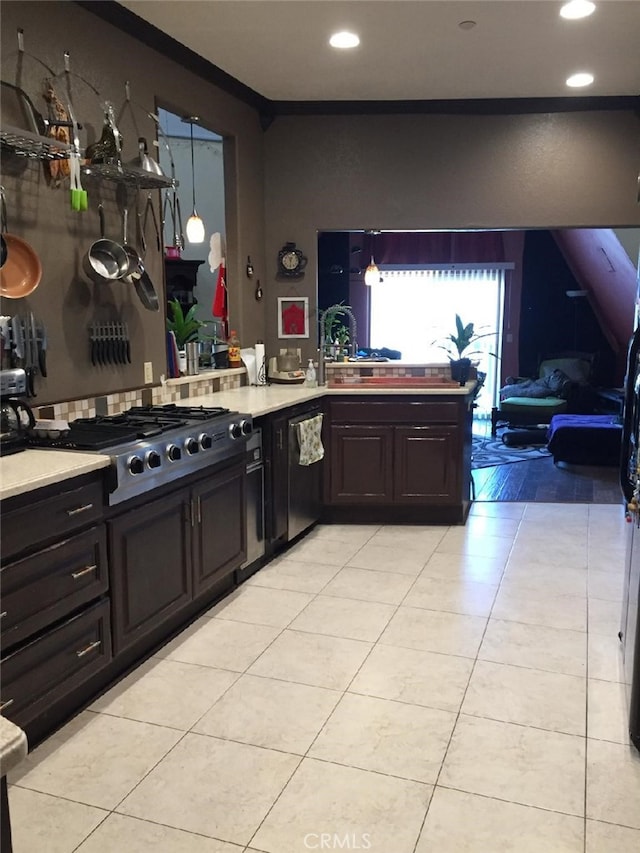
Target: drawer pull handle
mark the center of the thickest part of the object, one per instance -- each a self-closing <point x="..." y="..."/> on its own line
<point x="83" y="572"/>
<point x="78" y="510"/>
<point x="91" y="647"/>
<point x="6" y="704"/>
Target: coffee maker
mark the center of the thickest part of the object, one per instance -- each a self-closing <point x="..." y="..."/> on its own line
<point x="16" y="417"/>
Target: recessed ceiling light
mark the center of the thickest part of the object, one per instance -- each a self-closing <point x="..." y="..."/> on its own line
<point x="577" y="9"/>
<point x="583" y="78"/>
<point x="344" y="40"/>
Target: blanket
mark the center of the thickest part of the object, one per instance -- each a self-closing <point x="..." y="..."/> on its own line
<point x="556" y="384"/>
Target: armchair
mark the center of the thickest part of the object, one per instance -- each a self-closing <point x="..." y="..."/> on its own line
<point x="562" y="386"/>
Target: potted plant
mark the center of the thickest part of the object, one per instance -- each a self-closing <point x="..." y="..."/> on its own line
<point x="185" y="327"/>
<point x="457" y="344"/>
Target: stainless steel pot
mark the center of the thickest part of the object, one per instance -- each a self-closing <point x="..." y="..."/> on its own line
<point x="105" y="260"/>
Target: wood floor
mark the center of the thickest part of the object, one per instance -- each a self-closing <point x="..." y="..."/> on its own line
<point x="541" y="480"/>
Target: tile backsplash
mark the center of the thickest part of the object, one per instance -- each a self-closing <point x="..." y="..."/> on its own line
<point x="173" y="391"/>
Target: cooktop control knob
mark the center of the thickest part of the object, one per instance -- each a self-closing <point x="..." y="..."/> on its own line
<point x="246" y="427"/>
<point x="135" y="465"/>
<point x="205" y="441"/>
<point x="173" y="453"/>
<point x="191" y="446"/>
<point x="153" y="459"/>
<point x="235" y="431"/>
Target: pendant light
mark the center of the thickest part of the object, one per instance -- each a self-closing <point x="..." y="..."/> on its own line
<point x="195" y="225"/>
<point x="372" y="273"/>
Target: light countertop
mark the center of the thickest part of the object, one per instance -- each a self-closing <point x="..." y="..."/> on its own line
<point x="13" y="746"/>
<point x="32" y="469"/>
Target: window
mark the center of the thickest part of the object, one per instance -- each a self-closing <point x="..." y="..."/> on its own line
<point x="413" y="311"/>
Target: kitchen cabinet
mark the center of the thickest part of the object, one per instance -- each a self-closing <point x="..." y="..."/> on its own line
<point x="55" y="627"/>
<point x="168" y="552"/>
<point x="400" y="459"/>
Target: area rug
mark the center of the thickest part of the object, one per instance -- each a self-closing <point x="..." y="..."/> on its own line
<point x="487" y="452"/>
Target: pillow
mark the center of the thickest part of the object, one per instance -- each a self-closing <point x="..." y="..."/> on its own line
<point x="577" y="369"/>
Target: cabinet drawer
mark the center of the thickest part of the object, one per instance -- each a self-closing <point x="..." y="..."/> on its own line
<point x="405" y="412"/>
<point x="51" y="518"/>
<point x="43" y="588"/>
<point x="45" y="671"/>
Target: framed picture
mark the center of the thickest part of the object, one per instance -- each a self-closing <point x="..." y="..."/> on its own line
<point x="293" y="317"/>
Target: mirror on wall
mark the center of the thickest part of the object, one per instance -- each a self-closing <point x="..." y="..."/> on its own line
<point x="197" y="162"/>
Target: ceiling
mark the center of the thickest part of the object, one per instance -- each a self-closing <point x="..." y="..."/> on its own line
<point x="409" y="49"/>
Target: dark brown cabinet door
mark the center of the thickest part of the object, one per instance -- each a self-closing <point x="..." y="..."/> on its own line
<point x="361" y="460"/>
<point x="427" y="468"/>
<point x="150" y="561"/>
<point x="219" y="538"/>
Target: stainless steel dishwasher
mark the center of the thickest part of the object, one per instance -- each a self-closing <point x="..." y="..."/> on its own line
<point x="255" y="506"/>
<point x="305" y="482"/>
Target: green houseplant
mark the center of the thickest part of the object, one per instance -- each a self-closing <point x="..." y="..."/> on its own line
<point x="185" y="327"/>
<point x="457" y="344"/>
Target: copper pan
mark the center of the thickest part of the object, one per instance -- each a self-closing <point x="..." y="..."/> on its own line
<point x="21" y="270"/>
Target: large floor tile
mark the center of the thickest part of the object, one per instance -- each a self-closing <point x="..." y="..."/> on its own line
<point x="465" y="567"/>
<point x="287" y="573"/>
<point x="255" y="604"/>
<point x="343" y="617"/>
<point x="535" y="646"/>
<point x="353" y="534"/>
<point x="558" y="514"/>
<point x="409" y="537"/>
<point x="486" y="525"/>
<point x="364" y="585"/>
<point x="41" y="822"/>
<point x="220" y="643"/>
<point x="390" y="558"/>
<point x="417" y="677"/>
<point x="540" y="581"/>
<point x="95" y="759"/>
<point x="530" y="697"/>
<point x="458" y="822"/>
<point x="605" y="658"/>
<point x="332" y="552"/>
<point x="120" y="833"/>
<point x="155" y="693"/>
<point x="516" y="763"/>
<point x="608" y="586"/>
<point x="453" y="596"/>
<point x="554" y="611"/>
<point x="265" y="712"/>
<point x="498" y="509"/>
<point x="604" y="617"/>
<point x="376" y="812"/>
<point x="312" y="659"/>
<point x="433" y="631"/>
<point x="607" y="711"/>
<point x="458" y="540"/>
<point x="606" y="838"/>
<point x="213" y="787"/>
<point x="558" y="554"/>
<point x="613" y="783"/>
<point x="389" y="737"/>
<point x="610" y="557"/>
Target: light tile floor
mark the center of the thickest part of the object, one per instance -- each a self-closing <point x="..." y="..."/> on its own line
<point x="398" y="689"/>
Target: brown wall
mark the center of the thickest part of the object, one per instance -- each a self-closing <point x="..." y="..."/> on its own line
<point x="107" y="57"/>
<point x="443" y="172"/>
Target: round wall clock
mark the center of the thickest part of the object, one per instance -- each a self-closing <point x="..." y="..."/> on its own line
<point x="291" y="261"/>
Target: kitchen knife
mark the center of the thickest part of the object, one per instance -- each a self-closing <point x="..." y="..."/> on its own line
<point x="92" y="343"/>
<point x="18" y="337"/>
<point x="33" y="339"/>
<point x="127" y="343"/>
<point x="42" y="347"/>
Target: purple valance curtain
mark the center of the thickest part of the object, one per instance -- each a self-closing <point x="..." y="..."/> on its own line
<point x="435" y="247"/>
